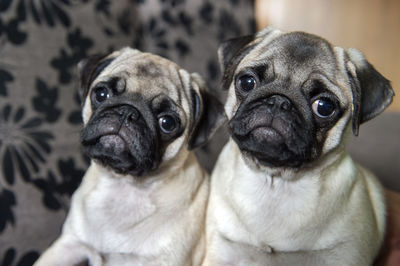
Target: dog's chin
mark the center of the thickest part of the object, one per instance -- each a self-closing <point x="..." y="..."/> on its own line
<point x="266" y="135"/>
<point x="266" y="147"/>
<point x="113" y="144"/>
<point x="112" y="152"/>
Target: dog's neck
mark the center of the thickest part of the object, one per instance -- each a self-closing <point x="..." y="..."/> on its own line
<point x="147" y="207"/>
<point x="292" y="174"/>
<point x="163" y="178"/>
<point x="261" y="199"/>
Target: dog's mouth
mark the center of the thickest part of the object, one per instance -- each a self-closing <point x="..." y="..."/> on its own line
<point x="114" y="143"/>
<point x="274" y="139"/>
<point x="113" y="136"/>
<point x="262" y="129"/>
<point x="266" y="133"/>
<point x="266" y="144"/>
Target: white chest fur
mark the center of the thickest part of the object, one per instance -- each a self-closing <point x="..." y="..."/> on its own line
<point x="109" y="212"/>
<point x="115" y="215"/>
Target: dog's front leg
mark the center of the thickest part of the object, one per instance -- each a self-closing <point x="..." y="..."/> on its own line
<point x="69" y="251"/>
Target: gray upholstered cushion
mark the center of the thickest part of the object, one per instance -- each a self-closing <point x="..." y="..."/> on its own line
<point x="378" y="148"/>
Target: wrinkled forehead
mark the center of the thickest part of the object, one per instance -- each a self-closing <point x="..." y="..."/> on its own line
<point x="296" y="54"/>
<point x="146" y="74"/>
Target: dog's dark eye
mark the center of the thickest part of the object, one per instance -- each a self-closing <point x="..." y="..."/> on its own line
<point x="323" y="107"/>
<point x="102" y="94"/>
<point x="167" y="124"/>
<point x="246" y="83"/>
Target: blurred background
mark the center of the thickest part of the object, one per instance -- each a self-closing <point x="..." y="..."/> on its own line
<point x="372" y="26"/>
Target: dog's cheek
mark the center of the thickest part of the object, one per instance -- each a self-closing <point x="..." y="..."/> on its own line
<point x="174" y="148"/>
<point x="231" y="104"/>
<point x="338" y="133"/>
<point x="86" y="111"/>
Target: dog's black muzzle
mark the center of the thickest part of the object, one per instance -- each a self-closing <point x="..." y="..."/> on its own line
<point x="272" y="130"/>
<point x="122" y="137"/>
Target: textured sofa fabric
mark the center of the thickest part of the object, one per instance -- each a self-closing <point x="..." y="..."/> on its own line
<point x="41" y="42"/>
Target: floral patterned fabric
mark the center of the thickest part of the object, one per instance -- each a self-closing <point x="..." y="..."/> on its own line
<point x="41" y="41"/>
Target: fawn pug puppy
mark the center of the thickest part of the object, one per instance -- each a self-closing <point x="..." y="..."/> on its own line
<point x="142" y="201"/>
<point x="284" y="190"/>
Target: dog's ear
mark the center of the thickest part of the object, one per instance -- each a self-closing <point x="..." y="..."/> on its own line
<point x="88" y="70"/>
<point x="232" y="51"/>
<point x="208" y="113"/>
<point x="230" y="48"/>
<point x="372" y="93"/>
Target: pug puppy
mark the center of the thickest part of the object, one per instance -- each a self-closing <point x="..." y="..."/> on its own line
<point x="284" y="190"/>
<point x="142" y="201"/>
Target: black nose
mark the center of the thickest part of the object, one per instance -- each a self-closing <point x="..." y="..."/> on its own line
<point x="279" y="102"/>
<point x="128" y="112"/>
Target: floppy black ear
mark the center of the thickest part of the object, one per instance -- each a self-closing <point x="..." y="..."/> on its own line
<point x="230" y="48"/>
<point x="230" y="53"/>
<point x="89" y="69"/>
<point x="372" y="93"/>
<point x="208" y="114"/>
